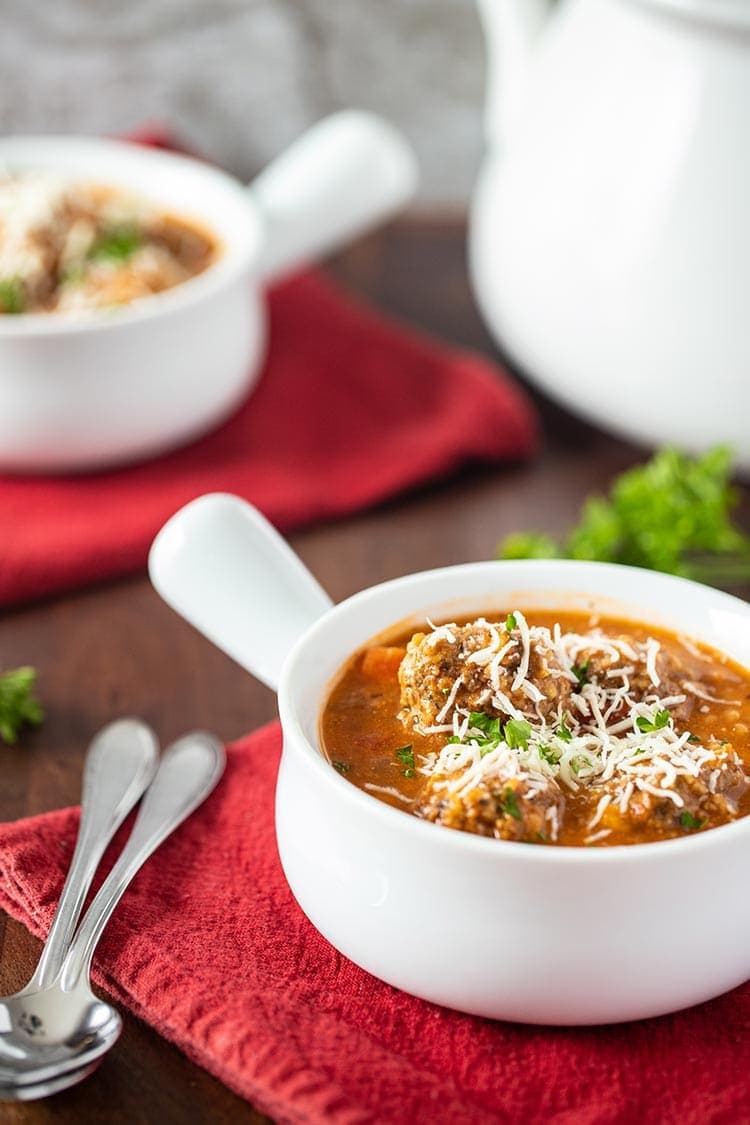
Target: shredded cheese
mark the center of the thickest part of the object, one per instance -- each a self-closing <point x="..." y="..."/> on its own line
<point x="605" y="733"/>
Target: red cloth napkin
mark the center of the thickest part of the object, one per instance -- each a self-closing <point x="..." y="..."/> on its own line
<point x="210" y="948"/>
<point x="350" y="410"/>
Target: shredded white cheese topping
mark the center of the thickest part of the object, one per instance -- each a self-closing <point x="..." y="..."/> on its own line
<point x="602" y="734"/>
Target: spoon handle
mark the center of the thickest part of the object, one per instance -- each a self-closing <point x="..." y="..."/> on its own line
<point x="188" y="771"/>
<point x="120" y="763"/>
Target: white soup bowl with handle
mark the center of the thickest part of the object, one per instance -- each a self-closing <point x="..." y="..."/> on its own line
<point x="536" y="934"/>
<point x="106" y="386"/>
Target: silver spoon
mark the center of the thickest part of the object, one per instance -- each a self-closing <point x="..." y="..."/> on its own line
<point x="48" y="1036"/>
<point x="120" y="763"/>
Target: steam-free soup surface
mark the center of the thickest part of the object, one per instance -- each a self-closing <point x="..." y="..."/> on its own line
<point x="546" y="729"/>
<point x="73" y="247"/>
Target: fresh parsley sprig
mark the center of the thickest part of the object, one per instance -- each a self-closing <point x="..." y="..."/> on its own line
<point x="11" y="295"/>
<point x="691" y="823"/>
<point x="405" y="755"/>
<point x="673" y="514"/>
<point x="116" y="244"/>
<point x="649" y="726"/>
<point x="19" y="706"/>
<point x="515" y="733"/>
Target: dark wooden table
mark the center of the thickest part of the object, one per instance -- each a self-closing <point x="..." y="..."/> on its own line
<point x="117" y="649"/>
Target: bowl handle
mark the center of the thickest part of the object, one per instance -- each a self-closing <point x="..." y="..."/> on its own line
<point x="222" y="566"/>
<point x="343" y="175"/>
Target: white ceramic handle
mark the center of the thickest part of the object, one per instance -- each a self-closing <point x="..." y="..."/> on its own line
<point x="346" y="173"/>
<point x="222" y="566"/>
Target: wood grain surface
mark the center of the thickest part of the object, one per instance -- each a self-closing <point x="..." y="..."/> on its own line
<point x="117" y="649"/>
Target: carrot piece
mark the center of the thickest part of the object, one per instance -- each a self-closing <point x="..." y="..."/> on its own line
<point x="382" y="661"/>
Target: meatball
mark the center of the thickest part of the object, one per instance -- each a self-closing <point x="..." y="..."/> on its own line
<point x="708" y="799"/>
<point x="616" y="660"/>
<point x="677" y="673"/>
<point x="514" y="809"/>
<point x="473" y="667"/>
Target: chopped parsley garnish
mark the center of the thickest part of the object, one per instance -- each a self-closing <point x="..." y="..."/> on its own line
<point x="487" y="724"/>
<point x="693" y="738"/>
<point x="11" y="295"/>
<point x="673" y="513"/>
<point x="580" y="671"/>
<point x="564" y="733"/>
<point x="550" y="755"/>
<point x="510" y="623"/>
<point x="516" y="733"/>
<point x="115" y="245"/>
<point x="646" y="726"/>
<point x="342" y="767"/>
<point x="19" y="706"/>
<point x="405" y="755"/>
<point x="579" y="763"/>
<point x="690" y="822"/>
<point x="509" y="804"/>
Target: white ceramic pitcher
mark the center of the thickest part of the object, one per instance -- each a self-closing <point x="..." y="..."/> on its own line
<point x="610" y="242"/>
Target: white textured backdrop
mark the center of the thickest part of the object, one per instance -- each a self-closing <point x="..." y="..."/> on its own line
<point x="238" y="79"/>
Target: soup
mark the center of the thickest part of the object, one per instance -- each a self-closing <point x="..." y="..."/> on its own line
<point x="70" y="247"/>
<point x="546" y="729"/>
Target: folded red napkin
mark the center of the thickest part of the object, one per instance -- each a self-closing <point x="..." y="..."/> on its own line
<point x="288" y="1023"/>
<point x="350" y="410"/>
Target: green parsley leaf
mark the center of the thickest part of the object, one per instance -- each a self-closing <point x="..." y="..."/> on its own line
<point x="673" y="513"/>
<point x="690" y="822"/>
<point x="510" y="623"/>
<point x="115" y="245"/>
<point x="542" y="837"/>
<point x="18" y="705"/>
<point x="516" y="733"/>
<point x="509" y="804"/>
<point x="646" y="726"/>
<point x="405" y="755"/>
<point x="11" y="295"/>
<point x="550" y="755"/>
<point x="342" y="767"/>
<point x="580" y="671"/>
<point x="693" y="738"/>
<point x="564" y="733"/>
<point x="488" y="724"/>
<point x="528" y="545"/>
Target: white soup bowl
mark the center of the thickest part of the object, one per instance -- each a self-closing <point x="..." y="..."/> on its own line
<point x="88" y="390"/>
<point x="545" y="934"/>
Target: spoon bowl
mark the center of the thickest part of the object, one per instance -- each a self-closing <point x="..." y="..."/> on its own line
<point x="48" y="1032"/>
<point x="32" y="1091"/>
